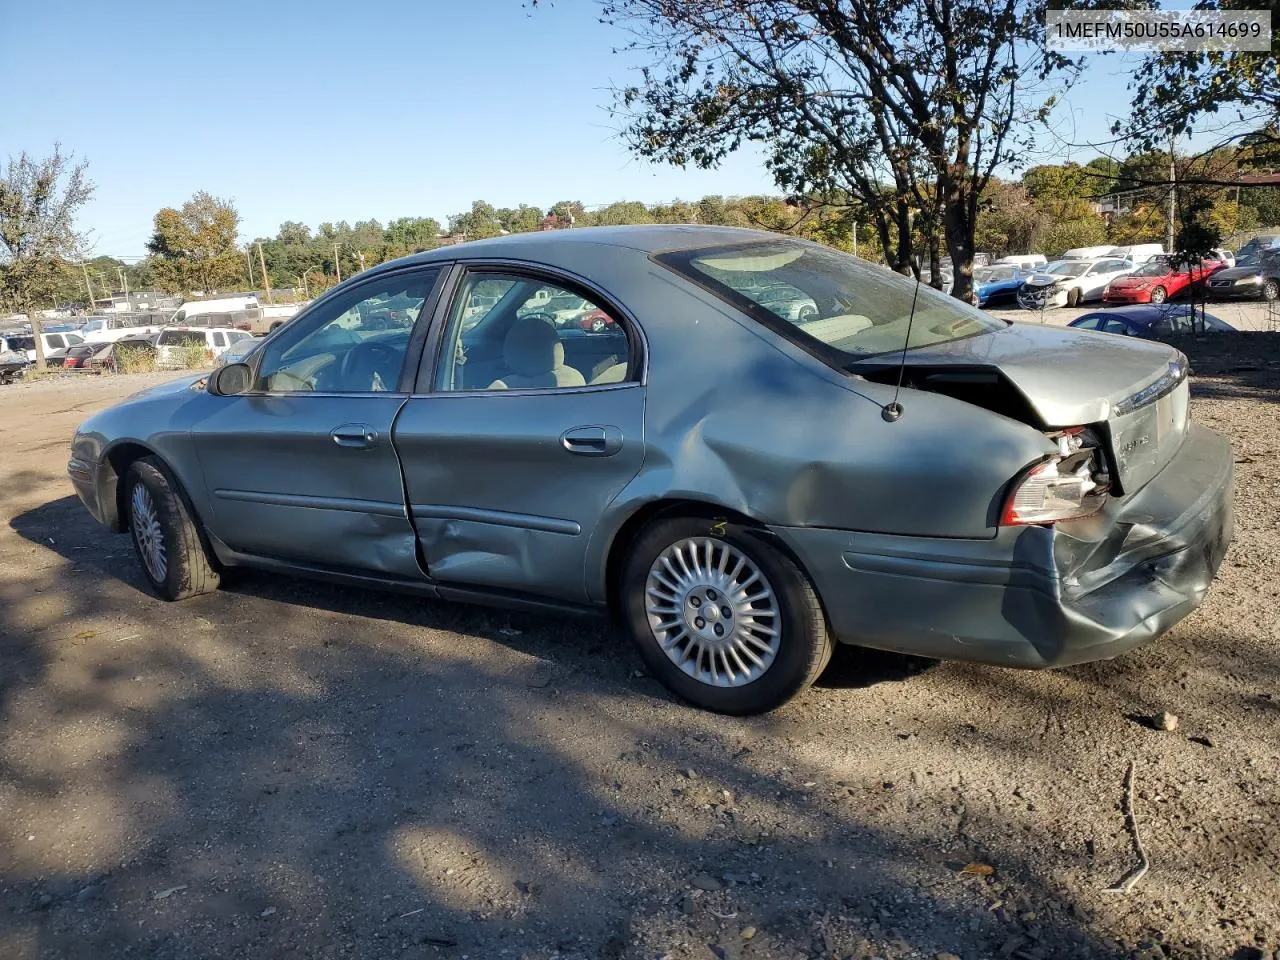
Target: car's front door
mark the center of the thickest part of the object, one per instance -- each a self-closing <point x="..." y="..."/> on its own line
<point x="302" y="467"/>
<point x="521" y="436"/>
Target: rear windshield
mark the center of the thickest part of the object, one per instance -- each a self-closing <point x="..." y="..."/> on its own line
<point x="846" y="304"/>
<point x="172" y="338"/>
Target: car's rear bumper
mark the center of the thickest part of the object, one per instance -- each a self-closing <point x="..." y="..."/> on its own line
<point x="1036" y="596"/>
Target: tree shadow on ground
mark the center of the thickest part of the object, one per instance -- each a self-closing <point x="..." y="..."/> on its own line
<point x="365" y="776"/>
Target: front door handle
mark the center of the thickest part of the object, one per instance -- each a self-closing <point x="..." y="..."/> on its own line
<point x="357" y="436"/>
<point x="594" y="441"/>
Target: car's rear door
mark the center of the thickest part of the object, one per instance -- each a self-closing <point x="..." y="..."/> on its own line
<point x="302" y="468"/>
<point x="509" y="466"/>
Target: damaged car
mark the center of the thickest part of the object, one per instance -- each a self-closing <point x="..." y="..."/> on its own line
<point x="739" y="488"/>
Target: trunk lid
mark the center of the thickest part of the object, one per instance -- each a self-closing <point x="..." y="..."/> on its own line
<point x="1136" y="389"/>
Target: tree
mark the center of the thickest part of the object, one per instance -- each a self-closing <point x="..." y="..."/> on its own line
<point x="520" y="220"/>
<point x="195" y="247"/>
<point x="1176" y="91"/>
<point x="39" y="200"/>
<point x="905" y="106"/>
<point x="479" y="222"/>
<point x="412" y="235"/>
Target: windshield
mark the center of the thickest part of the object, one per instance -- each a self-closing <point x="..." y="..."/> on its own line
<point x="995" y="274"/>
<point x="844" y="303"/>
<point x="1067" y="268"/>
<point x="1156" y="268"/>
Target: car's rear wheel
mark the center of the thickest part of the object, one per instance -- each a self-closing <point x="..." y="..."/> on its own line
<point x="725" y="620"/>
<point x="1159" y="295"/>
<point x="1271" y="290"/>
<point x="165" y="537"/>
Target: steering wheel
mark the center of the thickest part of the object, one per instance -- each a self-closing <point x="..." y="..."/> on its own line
<point x="365" y="360"/>
<point x="542" y="316"/>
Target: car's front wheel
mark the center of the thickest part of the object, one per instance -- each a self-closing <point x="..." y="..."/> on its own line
<point x="1073" y="297"/>
<point x="723" y="618"/>
<point x="1159" y="295"/>
<point x="1271" y="290"/>
<point x="165" y="537"/>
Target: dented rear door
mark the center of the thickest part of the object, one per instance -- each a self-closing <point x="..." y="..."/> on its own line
<point x="505" y="487"/>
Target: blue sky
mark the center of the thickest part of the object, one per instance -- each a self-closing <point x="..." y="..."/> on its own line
<point x="317" y="111"/>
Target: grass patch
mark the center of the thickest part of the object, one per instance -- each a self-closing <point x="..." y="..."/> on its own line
<point x="134" y="359"/>
<point x="193" y="356"/>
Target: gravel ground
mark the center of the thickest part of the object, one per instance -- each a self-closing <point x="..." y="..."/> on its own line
<point x="285" y="769"/>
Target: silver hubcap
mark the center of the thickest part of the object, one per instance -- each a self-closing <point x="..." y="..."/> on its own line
<point x="713" y="612"/>
<point x="147" y="533"/>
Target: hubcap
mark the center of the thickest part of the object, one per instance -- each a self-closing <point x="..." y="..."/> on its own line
<point x="713" y="612"/>
<point x="147" y="533"/>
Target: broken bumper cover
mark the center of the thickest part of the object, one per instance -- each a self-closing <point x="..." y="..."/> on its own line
<point x="1036" y="596"/>
<point x="84" y="477"/>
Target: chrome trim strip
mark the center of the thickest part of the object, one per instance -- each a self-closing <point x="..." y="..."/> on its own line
<point x="523" y="521"/>
<point x="1167" y="382"/>
<point x="379" y="508"/>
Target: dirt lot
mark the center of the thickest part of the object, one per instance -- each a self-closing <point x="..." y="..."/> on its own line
<point x="285" y="769"/>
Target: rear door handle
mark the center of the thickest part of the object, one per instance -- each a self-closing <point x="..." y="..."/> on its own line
<point x="602" y="441"/>
<point x="357" y="436"/>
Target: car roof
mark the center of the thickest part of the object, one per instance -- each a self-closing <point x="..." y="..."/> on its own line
<point x="1142" y="314"/>
<point x="646" y="238"/>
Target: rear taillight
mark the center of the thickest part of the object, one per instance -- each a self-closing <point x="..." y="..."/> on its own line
<point x="1067" y="486"/>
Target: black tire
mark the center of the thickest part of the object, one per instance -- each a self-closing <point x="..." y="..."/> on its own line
<point x="184" y="570"/>
<point x="1271" y="290"/>
<point x="1159" y="295"/>
<point x="1073" y="298"/>
<point x="804" y="642"/>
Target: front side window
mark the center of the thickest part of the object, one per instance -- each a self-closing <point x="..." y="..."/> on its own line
<point x="355" y="342"/>
<point x="846" y="304"/>
<point x="511" y="332"/>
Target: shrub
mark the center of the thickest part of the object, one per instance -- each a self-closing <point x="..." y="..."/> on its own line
<point x="134" y="359"/>
<point x="193" y="356"/>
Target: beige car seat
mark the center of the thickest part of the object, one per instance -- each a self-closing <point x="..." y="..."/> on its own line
<point x="534" y="357"/>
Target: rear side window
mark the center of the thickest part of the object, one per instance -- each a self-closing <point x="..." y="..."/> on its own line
<point x="55" y="341"/>
<point x="828" y="300"/>
<point x="174" y="338"/>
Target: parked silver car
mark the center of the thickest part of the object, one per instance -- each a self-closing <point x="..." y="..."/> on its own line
<point x="740" y="489"/>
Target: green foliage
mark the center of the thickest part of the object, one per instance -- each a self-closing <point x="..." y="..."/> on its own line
<point x="133" y="359"/>
<point x="1076" y="226"/>
<point x="900" y="109"/>
<point x="479" y="222"/>
<point x="194" y="248"/>
<point x="193" y="355"/>
<point x="1175" y="91"/>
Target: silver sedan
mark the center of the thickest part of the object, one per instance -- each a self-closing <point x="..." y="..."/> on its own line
<point x="739" y="488"/>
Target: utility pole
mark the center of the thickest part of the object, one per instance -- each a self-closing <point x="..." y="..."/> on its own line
<point x="305" y="292"/>
<point x="124" y="282"/>
<point x="361" y="256"/>
<point x="248" y="262"/>
<point x="337" y="267"/>
<point x="266" y="281"/>
<point x="1173" y="192"/>
<point x="87" y="285"/>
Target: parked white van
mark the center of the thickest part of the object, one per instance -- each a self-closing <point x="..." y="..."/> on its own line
<point x="192" y="309"/>
<point x="111" y="329"/>
<point x="1026" y="261"/>
<point x="25" y="344"/>
<point x="1138" y="253"/>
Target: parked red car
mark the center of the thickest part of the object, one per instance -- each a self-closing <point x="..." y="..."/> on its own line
<point x="1157" y="281"/>
<point x="595" y="321"/>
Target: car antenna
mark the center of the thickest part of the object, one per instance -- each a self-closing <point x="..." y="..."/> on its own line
<point x="891" y="412"/>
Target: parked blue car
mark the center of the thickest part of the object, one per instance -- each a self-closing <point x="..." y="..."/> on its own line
<point x="1151" y="321"/>
<point x="998" y="286"/>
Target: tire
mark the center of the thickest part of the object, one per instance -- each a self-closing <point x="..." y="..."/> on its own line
<point x="1271" y="290"/>
<point x="1159" y="295"/>
<point x="157" y="513"/>
<point x="1073" y="298"/>
<point x="784" y="665"/>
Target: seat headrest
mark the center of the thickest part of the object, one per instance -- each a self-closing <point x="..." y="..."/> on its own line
<point x="532" y="347"/>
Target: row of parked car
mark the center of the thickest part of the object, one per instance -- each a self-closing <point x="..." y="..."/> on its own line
<point x="1139" y="274"/>
<point x="169" y="346"/>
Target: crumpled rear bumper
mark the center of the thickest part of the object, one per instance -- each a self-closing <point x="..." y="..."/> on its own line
<point x="1036" y="596"/>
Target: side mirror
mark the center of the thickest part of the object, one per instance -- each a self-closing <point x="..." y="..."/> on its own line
<point x="232" y="380"/>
